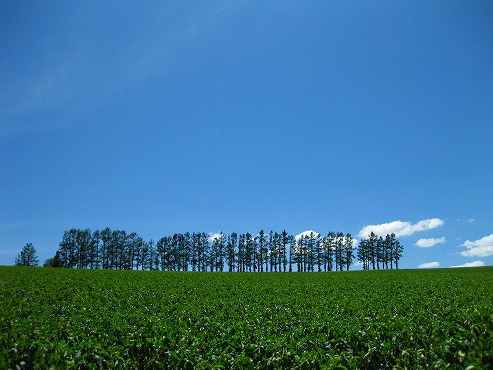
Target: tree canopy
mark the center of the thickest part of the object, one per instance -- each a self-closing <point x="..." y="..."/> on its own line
<point x="27" y="256"/>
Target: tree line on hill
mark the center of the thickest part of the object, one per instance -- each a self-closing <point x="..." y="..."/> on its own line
<point x="198" y="251"/>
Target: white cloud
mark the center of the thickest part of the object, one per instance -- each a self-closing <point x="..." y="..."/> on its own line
<point x="469" y="220"/>
<point x="306" y="233"/>
<point x="429" y="265"/>
<point x="400" y="228"/>
<point x="213" y="236"/>
<point x="471" y="264"/>
<point x="427" y="243"/>
<point x="479" y="248"/>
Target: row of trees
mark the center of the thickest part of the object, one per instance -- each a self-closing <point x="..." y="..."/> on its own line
<point x="381" y="252"/>
<point x="117" y="249"/>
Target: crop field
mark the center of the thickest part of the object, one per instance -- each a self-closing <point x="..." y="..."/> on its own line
<point x="92" y="319"/>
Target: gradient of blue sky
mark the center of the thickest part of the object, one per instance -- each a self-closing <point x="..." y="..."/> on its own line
<point x="163" y="117"/>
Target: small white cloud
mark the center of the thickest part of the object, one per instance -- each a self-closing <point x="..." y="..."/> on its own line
<point x="479" y="248"/>
<point x="427" y="243"/>
<point x="471" y="264"/>
<point x="306" y="233"/>
<point x="400" y="228"/>
<point x="429" y="265"/>
<point x="469" y="220"/>
<point x="213" y="236"/>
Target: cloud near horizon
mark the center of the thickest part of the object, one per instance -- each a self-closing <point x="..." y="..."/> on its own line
<point x="400" y="228"/>
<point x="427" y="243"/>
<point x="213" y="236"/>
<point x="471" y="264"/>
<point x="306" y="233"/>
<point x="479" y="248"/>
<point x="429" y="265"/>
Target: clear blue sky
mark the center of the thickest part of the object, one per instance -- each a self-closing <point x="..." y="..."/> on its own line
<point x="162" y="117"/>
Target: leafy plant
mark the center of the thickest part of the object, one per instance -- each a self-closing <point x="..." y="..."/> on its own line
<point x="97" y="319"/>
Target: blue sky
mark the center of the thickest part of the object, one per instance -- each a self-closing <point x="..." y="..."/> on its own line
<point x="163" y="117"/>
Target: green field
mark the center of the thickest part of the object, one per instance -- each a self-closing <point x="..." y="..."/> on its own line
<point x="67" y="318"/>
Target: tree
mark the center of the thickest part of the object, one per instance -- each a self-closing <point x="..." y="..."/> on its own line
<point x="83" y="240"/>
<point x="68" y="248"/>
<point x="163" y="250"/>
<point x="380" y="252"/>
<point x="286" y="240"/>
<point x="54" y="262"/>
<point x="230" y="251"/>
<point x="398" y="250"/>
<point x="363" y="253"/>
<point x="348" y="251"/>
<point x="388" y="246"/>
<point x="27" y="256"/>
<point x="292" y="251"/>
<point x="241" y="252"/>
<point x="261" y="251"/>
<point x="249" y="252"/>
<point x="106" y="249"/>
<point x="94" y="253"/>
<point x="275" y="251"/>
<point x="372" y="245"/>
<point x="217" y="253"/>
<point x="327" y="248"/>
<point x="339" y="249"/>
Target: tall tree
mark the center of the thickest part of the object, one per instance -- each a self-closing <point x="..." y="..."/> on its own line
<point x="69" y="248"/>
<point x="152" y="260"/>
<point x="380" y="252"/>
<point x="83" y="241"/>
<point x="144" y="256"/>
<point x="292" y="253"/>
<point x="313" y="244"/>
<point x="388" y="247"/>
<point x="249" y="252"/>
<point x="328" y="246"/>
<point x="398" y="251"/>
<point x="94" y="255"/>
<point x="27" y="256"/>
<point x="348" y="251"/>
<point x="339" y="249"/>
<point x="300" y="253"/>
<point x="106" y="248"/>
<point x="163" y="250"/>
<point x="261" y="251"/>
<point x="320" y="254"/>
<point x="275" y="251"/>
<point x="241" y="252"/>
<point x="217" y="255"/>
<point x="285" y="241"/>
<point x="363" y="254"/>
<point x="134" y="245"/>
<point x="230" y="251"/>
<point x="372" y="246"/>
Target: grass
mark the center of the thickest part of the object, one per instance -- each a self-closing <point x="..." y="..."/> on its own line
<point x="65" y="318"/>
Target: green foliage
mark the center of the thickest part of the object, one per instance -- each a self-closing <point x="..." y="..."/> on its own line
<point x="98" y="319"/>
<point x="27" y="256"/>
<point x="54" y="262"/>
